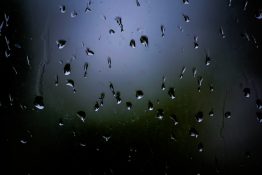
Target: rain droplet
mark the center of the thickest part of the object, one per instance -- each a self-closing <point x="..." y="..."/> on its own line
<point x="128" y="105"/>
<point x="119" y="22"/>
<point x="171" y="93"/>
<point x="61" y="44"/>
<point x="246" y="92"/>
<point x="163" y="29"/>
<point x="144" y="40"/>
<point x="200" y="147"/>
<point x="73" y="14"/>
<point x="259" y="117"/>
<point x="228" y="115"/>
<point x="61" y="122"/>
<point x="39" y="102"/>
<point x="193" y="132"/>
<point x="139" y="94"/>
<point x="199" y="117"/>
<point x="109" y="62"/>
<point x="137" y="3"/>
<point x="185" y="1"/>
<point x="132" y="43"/>
<point x="163" y="86"/>
<point x="160" y="114"/>
<point x="208" y="60"/>
<point x="196" y="45"/>
<point x="81" y="115"/>
<point x="56" y="80"/>
<point x="222" y="32"/>
<point x="70" y="83"/>
<point x="85" y="69"/>
<point x="186" y="18"/>
<point x="259" y="104"/>
<point x="111" y="32"/>
<point x="211" y="113"/>
<point x="62" y="8"/>
<point x="229" y="3"/>
<point x="89" y="52"/>
<point x="174" y="119"/>
<point x="88" y="9"/>
<point x="106" y="138"/>
<point x="194" y="72"/>
<point x="211" y="88"/>
<point x="245" y="6"/>
<point x="96" y="107"/>
<point x="118" y="98"/>
<point x="259" y="15"/>
<point x="67" y="69"/>
<point x="182" y="72"/>
<point x="150" y="106"/>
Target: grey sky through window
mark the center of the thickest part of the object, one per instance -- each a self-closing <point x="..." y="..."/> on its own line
<point x="131" y="86"/>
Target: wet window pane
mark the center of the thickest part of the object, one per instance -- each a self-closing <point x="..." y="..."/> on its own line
<point x="131" y="86"/>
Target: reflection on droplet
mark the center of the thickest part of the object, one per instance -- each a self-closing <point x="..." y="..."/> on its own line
<point x="67" y="69"/>
<point x="61" y="44"/>
<point x="132" y="43"/>
<point x="81" y="115"/>
<point x="144" y="40"/>
<point x="39" y="102"/>
<point x="139" y="94"/>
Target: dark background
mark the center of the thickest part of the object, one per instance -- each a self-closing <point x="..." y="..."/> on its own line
<point x="139" y="142"/>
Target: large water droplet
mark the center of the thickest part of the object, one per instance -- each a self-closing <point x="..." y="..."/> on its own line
<point x="150" y="106"/>
<point x="246" y="92"/>
<point x="171" y="93"/>
<point x="128" y="105"/>
<point x="227" y="114"/>
<point x="199" y="117"/>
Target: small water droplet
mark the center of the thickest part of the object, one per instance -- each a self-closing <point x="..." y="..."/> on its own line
<point x="85" y="69"/>
<point x="259" y="117"/>
<point x="211" y="113"/>
<point x="259" y="104"/>
<point x="61" y="122"/>
<point x="185" y="1"/>
<point x="221" y="30"/>
<point x="196" y="45"/>
<point x="194" y="72"/>
<point x="132" y="43"/>
<point x="208" y="60"/>
<point x="200" y="147"/>
<point x="109" y="62"/>
<point x="186" y="18"/>
<point x="128" y="105"/>
<point x="81" y="115"/>
<point x="163" y="29"/>
<point x="111" y="32"/>
<point x="119" y="22"/>
<point x="89" y="52"/>
<point x="96" y="107"/>
<point x="246" y="92"/>
<point x="39" y="102"/>
<point x="73" y="14"/>
<point x="61" y="44"/>
<point x="228" y="115"/>
<point x="139" y="94"/>
<point x="174" y="119"/>
<point x="150" y="106"/>
<point x="160" y="114"/>
<point x="118" y="98"/>
<point x="144" y="40"/>
<point x="67" y="69"/>
<point x="56" y="80"/>
<point x="171" y="93"/>
<point x="182" y="72"/>
<point x="106" y="138"/>
<point x="193" y="132"/>
<point x="137" y="3"/>
<point x="199" y="117"/>
<point x="62" y="8"/>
